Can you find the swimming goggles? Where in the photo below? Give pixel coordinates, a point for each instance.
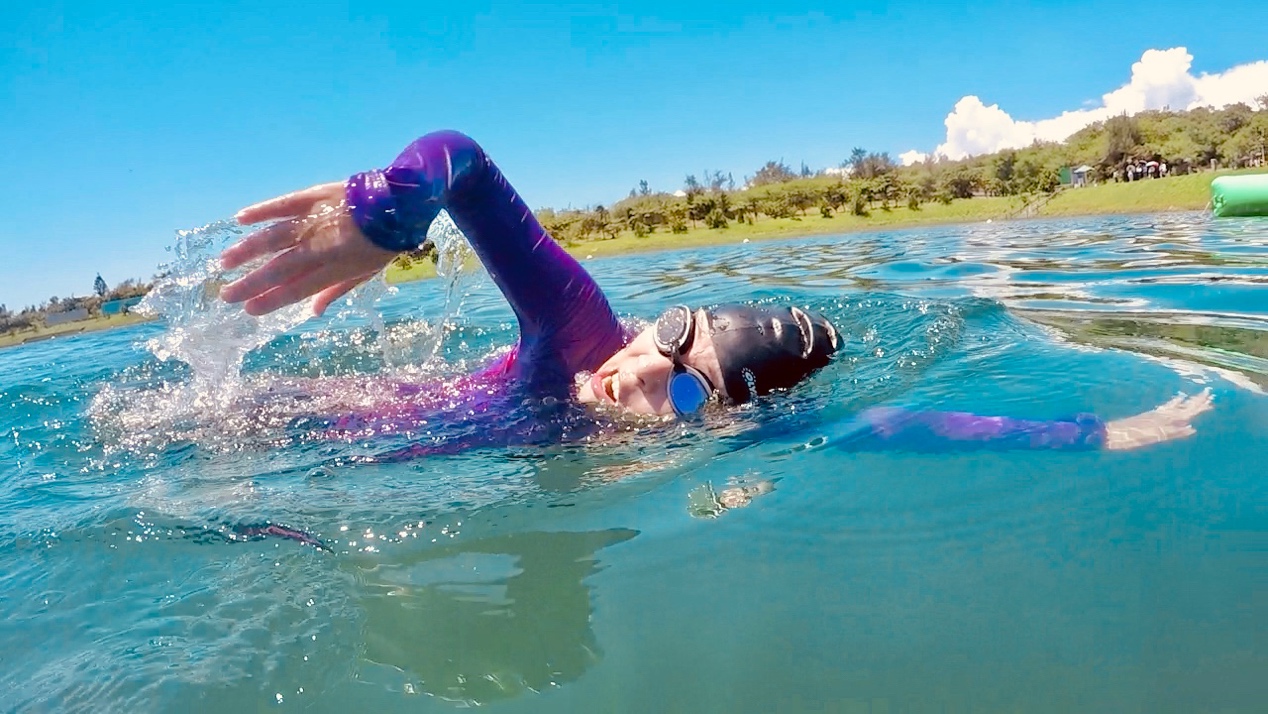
(688, 390)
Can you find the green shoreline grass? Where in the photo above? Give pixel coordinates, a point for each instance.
(1176, 193)
(764, 229)
(92, 324)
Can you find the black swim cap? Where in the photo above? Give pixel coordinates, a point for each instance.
(763, 348)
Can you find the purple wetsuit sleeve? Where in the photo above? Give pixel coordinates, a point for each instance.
(566, 324)
(895, 428)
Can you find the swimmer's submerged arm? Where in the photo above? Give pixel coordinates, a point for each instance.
(913, 430)
(949, 431)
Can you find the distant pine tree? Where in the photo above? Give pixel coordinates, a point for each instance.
(99, 286)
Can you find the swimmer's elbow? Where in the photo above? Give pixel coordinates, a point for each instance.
(394, 207)
(447, 161)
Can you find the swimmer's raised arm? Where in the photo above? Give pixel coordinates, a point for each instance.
(559, 306)
(333, 236)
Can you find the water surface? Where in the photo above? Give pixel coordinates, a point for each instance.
(581, 577)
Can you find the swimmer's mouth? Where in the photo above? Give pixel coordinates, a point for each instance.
(608, 387)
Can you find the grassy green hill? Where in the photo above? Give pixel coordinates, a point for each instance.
(1175, 193)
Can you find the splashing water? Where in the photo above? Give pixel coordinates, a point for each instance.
(203, 331)
(130, 581)
(214, 338)
(452, 249)
(457, 267)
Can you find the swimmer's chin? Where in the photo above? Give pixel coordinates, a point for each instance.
(585, 393)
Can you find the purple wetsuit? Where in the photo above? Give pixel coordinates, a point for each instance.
(566, 324)
(891, 427)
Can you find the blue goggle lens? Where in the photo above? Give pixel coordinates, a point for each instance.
(688, 393)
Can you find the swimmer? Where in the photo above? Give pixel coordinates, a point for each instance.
(327, 239)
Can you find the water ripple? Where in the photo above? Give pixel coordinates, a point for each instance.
(134, 575)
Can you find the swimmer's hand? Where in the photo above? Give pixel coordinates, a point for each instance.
(1173, 420)
(319, 250)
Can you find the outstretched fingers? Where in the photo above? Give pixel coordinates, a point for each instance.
(291, 291)
(271, 239)
(322, 251)
(1200, 403)
(274, 274)
(1167, 422)
(1188, 408)
(290, 205)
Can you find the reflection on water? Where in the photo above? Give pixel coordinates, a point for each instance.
(134, 576)
(1237, 347)
(487, 619)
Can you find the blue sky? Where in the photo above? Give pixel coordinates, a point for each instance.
(123, 122)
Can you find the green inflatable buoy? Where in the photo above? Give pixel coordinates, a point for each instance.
(1245, 195)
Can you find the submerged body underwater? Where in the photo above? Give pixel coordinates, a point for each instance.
(150, 559)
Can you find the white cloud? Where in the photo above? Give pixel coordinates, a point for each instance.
(1239, 84)
(1161, 79)
(912, 157)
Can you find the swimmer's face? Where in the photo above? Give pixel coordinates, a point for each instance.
(636, 378)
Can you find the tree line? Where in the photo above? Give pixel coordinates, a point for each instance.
(1195, 140)
(1187, 141)
(35, 316)
(865, 181)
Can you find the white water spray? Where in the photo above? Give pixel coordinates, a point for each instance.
(214, 338)
(203, 331)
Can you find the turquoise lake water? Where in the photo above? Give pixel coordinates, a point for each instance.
(587, 577)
